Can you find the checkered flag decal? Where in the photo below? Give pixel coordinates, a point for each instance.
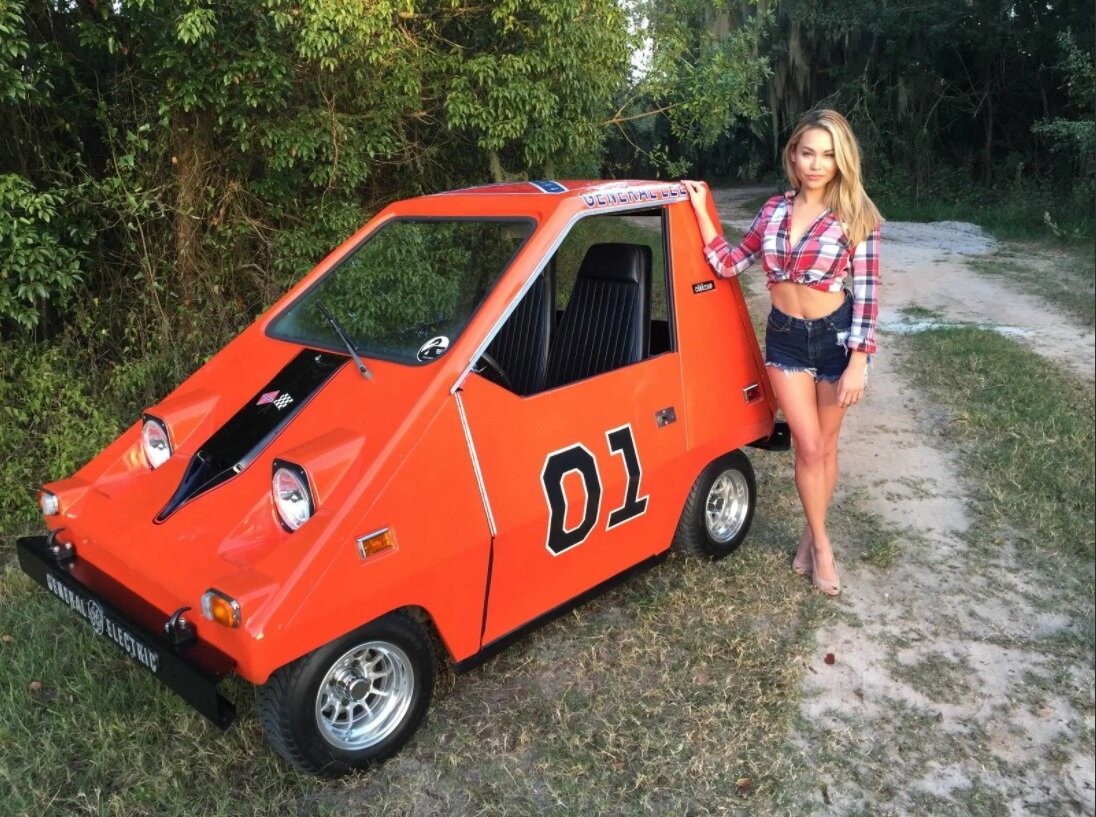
(283, 401)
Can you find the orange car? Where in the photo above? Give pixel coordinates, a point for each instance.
(482, 407)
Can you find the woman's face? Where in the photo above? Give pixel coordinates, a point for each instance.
(815, 164)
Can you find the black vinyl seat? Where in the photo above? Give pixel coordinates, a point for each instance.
(521, 345)
(605, 325)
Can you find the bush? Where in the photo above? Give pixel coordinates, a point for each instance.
(52, 420)
(37, 267)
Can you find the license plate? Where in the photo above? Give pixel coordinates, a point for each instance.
(192, 670)
(104, 624)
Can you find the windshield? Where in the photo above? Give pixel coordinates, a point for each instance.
(408, 291)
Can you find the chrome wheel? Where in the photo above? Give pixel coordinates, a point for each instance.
(727, 505)
(365, 696)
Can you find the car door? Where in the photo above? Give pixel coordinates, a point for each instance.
(581, 471)
(573, 479)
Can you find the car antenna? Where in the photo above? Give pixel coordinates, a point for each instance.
(368, 375)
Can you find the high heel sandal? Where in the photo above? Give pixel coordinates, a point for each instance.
(801, 567)
(830, 588)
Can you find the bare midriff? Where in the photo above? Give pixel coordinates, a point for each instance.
(801, 301)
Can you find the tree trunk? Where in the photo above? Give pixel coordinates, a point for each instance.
(192, 143)
(987, 155)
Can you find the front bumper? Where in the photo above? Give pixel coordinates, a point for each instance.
(154, 640)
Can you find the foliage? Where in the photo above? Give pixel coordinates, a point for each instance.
(13, 52)
(925, 82)
(52, 420)
(942, 95)
(37, 265)
(1023, 209)
(700, 80)
(1075, 137)
(213, 153)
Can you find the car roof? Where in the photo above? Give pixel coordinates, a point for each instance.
(567, 188)
(551, 195)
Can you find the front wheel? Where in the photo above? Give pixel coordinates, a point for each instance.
(719, 508)
(352, 702)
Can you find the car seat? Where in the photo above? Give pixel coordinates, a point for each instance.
(605, 324)
(521, 344)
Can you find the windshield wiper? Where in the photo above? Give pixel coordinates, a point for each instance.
(345, 339)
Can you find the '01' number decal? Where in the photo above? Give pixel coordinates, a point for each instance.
(579, 459)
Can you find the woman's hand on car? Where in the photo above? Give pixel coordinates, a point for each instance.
(698, 195)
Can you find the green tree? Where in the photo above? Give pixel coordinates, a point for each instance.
(697, 83)
(1073, 134)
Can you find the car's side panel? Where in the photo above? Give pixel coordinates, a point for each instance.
(577, 479)
(719, 352)
(431, 502)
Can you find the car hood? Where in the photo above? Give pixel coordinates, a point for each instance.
(206, 515)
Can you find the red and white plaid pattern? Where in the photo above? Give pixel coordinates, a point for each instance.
(822, 259)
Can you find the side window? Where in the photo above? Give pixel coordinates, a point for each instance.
(645, 227)
(600, 304)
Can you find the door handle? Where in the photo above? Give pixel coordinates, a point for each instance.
(663, 417)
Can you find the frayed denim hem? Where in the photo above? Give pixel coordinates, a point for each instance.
(833, 378)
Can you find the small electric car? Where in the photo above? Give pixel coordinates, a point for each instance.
(479, 409)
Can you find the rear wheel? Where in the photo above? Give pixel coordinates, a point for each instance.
(352, 702)
(719, 508)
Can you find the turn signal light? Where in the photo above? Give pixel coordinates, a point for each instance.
(216, 606)
(376, 543)
(49, 504)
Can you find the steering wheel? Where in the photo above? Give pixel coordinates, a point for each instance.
(487, 360)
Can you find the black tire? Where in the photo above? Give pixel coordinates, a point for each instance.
(304, 722)
(708, 528)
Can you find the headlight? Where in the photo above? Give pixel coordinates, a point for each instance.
(292, 496)
(155, 441)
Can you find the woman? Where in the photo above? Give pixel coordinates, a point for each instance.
(812, 241)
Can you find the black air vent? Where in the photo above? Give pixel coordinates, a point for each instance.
(239, 441)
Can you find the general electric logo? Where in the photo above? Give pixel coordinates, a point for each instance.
(96, 617)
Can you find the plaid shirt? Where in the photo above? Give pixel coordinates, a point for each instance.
(822, 259)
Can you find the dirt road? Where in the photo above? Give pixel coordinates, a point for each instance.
(937, 701)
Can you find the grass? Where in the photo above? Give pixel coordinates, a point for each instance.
(864, 760)
(755, 204)
(1065, 278)
(659, 697)
(920, 313)
(1025, 428)
(1018, 212)
(938, 677)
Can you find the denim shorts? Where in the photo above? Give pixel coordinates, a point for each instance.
(816, 347)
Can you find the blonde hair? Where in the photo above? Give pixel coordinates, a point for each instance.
(844, 195)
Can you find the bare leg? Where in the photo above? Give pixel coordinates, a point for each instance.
(798, 395)
(830, 417)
